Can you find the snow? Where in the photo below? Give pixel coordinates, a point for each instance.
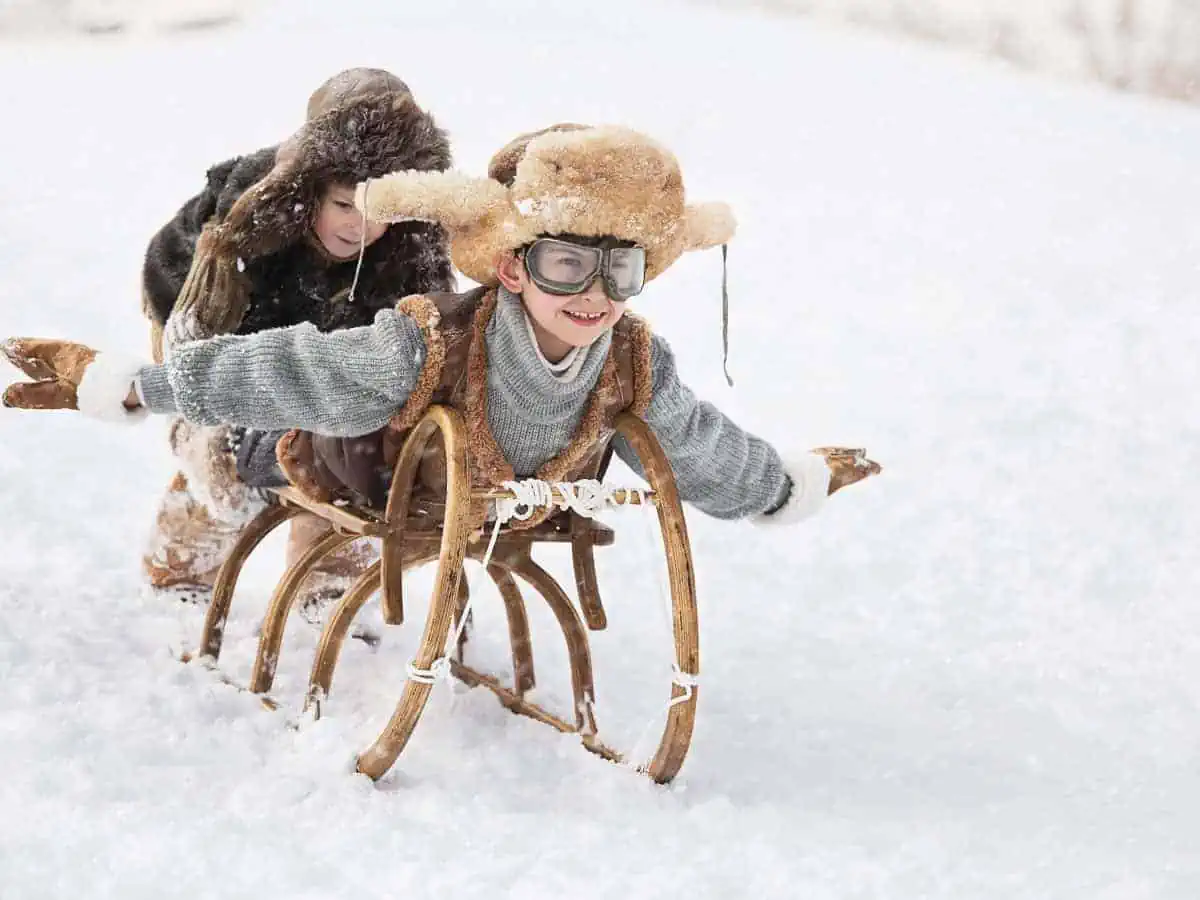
(972, 677)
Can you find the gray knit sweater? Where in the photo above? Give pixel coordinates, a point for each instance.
(348, 383)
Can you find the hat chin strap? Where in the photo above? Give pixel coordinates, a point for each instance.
(311, 238)
(725, 312)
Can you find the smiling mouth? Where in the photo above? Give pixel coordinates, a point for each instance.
(585, 318)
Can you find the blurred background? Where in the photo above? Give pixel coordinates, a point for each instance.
(1145, 46)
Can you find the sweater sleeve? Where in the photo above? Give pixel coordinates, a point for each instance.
(719, 468)
(343, 383)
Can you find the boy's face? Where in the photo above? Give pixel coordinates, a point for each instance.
(339, 226)
(560, 321)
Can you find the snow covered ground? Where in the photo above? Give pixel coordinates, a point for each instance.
(974, 677)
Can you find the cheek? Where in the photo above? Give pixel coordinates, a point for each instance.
(325, 223)
(541, 309)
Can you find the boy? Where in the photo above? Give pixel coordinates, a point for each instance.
(569, 227)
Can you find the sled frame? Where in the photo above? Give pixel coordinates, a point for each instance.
(408, 542)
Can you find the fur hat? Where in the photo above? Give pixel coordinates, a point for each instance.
(368, 129)
(566, 179)
(350, 85)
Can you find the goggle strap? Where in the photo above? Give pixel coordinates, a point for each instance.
(725, 312)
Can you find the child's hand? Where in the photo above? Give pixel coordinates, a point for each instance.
(847, 466)
(56, 368)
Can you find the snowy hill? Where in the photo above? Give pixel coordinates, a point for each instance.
(975, 677)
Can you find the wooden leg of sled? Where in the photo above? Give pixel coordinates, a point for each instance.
(391, 557)
(271, 637)
(578, 651)
(335, 631)
(333, 636)
(382, 754)
(583, 558)
(518, 629)
(681, 717)
(218, 609)
(404, 477)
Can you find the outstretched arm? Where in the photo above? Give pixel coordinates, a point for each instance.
(344, 383)
(728, 472)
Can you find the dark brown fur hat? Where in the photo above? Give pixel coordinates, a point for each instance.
(364, 133)
(353, 84)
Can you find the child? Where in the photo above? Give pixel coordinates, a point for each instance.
(273, 241)
(568, 228)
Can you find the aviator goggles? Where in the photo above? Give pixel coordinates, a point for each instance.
(562, 267)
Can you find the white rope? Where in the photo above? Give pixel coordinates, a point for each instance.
(362, 244)
(587, 497)
(685, 680)
(529, 495)
(439, 669)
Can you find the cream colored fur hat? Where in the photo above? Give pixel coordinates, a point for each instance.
(566, 179)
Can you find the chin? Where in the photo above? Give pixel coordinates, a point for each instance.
(584, 340)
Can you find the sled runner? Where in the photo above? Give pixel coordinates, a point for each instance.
(417, 530)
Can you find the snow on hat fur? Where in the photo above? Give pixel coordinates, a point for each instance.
(566, 179)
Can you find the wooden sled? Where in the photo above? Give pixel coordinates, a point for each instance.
(407, 541)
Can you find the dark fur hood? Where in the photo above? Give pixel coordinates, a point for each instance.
(363, 139)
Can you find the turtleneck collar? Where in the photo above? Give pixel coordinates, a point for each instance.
(518, 368)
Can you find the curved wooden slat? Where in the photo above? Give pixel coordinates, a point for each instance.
(519, 637)
(335, 631)
(583, 560)
(271, 637)
(382, 754)
(578, 651)
(404, 478)
(681, 717)
(222, 597)
(333, 635)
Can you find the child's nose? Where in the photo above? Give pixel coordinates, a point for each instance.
(595, 292)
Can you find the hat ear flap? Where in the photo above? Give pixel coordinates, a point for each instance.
(707, 225)
(270, 214)
(456, 201)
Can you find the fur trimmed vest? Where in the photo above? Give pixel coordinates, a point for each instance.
(454, 374)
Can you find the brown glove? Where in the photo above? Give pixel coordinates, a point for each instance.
(56, 368)
(847, 466)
